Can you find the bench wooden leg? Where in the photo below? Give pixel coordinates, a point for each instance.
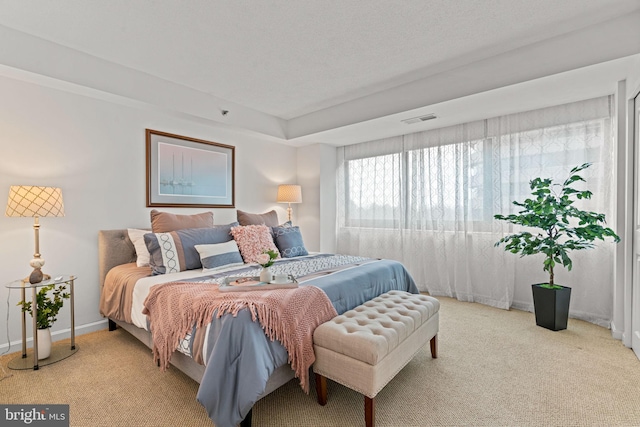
(112, 325)
(369, 411)
(434, 346)
(321, 389)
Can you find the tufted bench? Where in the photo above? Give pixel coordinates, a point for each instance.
(366, 347)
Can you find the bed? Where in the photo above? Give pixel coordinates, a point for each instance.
(235, 363)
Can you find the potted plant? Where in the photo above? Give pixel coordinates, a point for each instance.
(560, 229)
(48, 308)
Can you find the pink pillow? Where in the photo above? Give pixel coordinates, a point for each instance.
(253, 240)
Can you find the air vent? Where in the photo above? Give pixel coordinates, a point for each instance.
(419, 119)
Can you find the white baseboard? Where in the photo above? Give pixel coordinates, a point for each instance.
(621, 335)
(615, 332)
(59, 335)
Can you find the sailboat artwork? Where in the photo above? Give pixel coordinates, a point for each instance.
(177, 186)
(188, 172)
(185, 171)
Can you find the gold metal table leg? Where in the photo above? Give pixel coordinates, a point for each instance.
(73, 321)
(34, 308)
(24, 328)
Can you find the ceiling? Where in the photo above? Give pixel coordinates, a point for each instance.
(339, 71)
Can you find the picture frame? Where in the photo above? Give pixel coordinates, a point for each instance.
(188, 172)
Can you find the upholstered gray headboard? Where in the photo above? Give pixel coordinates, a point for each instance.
(114, 248)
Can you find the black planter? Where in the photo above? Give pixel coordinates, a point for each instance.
(551, 307)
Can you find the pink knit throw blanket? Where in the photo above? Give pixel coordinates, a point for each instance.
(287, 315)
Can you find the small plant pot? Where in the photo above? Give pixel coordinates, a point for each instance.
(551, 306)
(44, 343)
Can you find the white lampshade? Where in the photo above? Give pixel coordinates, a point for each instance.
(289, 193)
(32, 201)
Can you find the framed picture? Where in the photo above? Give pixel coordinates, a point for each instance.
(189, 172)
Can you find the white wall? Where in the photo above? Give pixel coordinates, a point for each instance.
(633, 80)
(95, 151)
(317, 213)
(622, 304)
(328, 165)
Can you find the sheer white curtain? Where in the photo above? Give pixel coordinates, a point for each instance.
(427, 199)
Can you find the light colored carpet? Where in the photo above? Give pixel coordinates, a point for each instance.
(495, 368)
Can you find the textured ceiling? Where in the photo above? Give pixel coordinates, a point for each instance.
(290, 58)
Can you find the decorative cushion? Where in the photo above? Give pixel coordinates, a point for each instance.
(270, 219)
(219, 255)
(175, 251)
(288, 239)
(142, 253)
(163, 222)
(284, 224)
(253, 240)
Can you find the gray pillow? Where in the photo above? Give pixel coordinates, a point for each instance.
(270, 219)
(175, 251)
(218, 255)
(163, 222)
(289, 241)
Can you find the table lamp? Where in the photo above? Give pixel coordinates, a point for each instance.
(289, 194)
(32, 201)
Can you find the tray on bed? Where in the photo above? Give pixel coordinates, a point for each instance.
(253, 283)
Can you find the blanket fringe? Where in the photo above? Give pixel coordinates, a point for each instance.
(286, 315)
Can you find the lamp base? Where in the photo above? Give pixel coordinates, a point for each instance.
(37, 276)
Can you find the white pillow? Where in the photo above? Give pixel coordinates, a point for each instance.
(219, 255)
(142, 253)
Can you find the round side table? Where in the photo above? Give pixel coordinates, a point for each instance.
(58, 352)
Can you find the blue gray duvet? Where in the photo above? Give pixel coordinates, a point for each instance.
(240, 357)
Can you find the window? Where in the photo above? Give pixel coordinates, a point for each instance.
(374, 190)
(454, 185)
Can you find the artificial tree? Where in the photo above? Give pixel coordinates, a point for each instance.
(560, 226)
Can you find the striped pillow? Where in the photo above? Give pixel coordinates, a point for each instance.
(175, 251)
(219, 255)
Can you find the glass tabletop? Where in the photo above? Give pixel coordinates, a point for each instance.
(24, 283)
